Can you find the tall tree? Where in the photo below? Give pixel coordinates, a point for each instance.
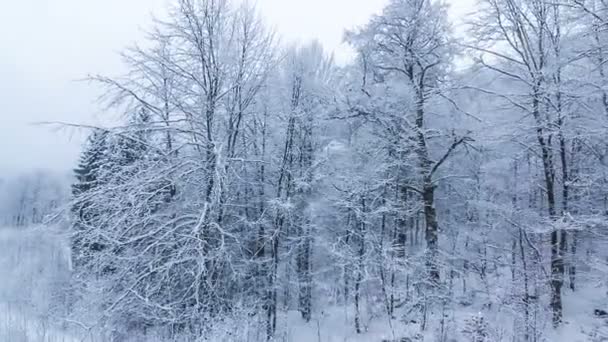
(409, 47)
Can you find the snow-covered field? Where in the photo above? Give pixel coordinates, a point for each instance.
(20, 325)
(34, 266)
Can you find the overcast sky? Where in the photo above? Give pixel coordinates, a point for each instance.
(47, 45)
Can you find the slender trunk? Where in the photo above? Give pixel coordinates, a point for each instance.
(563, 236)
(526, 297)
(305, 278)
(389, 298)
(305, 249)
(565, 198)
(576, 148)
(357, 299)
(360, 267)
(271, 310)
(391, 306)
(572, 271)
(346, 269)
(432, 231)
(557, 263)
(513, 259)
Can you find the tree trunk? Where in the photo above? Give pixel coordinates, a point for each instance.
(557, 262)
(305, 277)
(526, 296)
(432, 231)
(360, 268)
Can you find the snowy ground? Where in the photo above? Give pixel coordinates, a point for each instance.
(32, 263)
(579, 322)
(19, 325)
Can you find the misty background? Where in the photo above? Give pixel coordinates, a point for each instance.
(48, 47)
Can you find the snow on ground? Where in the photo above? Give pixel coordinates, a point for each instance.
(33, 265)
(19, 325)
(580, 324)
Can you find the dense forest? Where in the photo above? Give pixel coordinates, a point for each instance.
(438, 187)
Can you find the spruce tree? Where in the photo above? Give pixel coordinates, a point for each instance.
(88, 179)
(87, 172)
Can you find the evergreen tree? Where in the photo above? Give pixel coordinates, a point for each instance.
(87, 172)
(88, 178)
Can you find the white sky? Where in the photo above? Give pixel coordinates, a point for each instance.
(47, 45)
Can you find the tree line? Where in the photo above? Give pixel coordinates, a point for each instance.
(430, 177)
